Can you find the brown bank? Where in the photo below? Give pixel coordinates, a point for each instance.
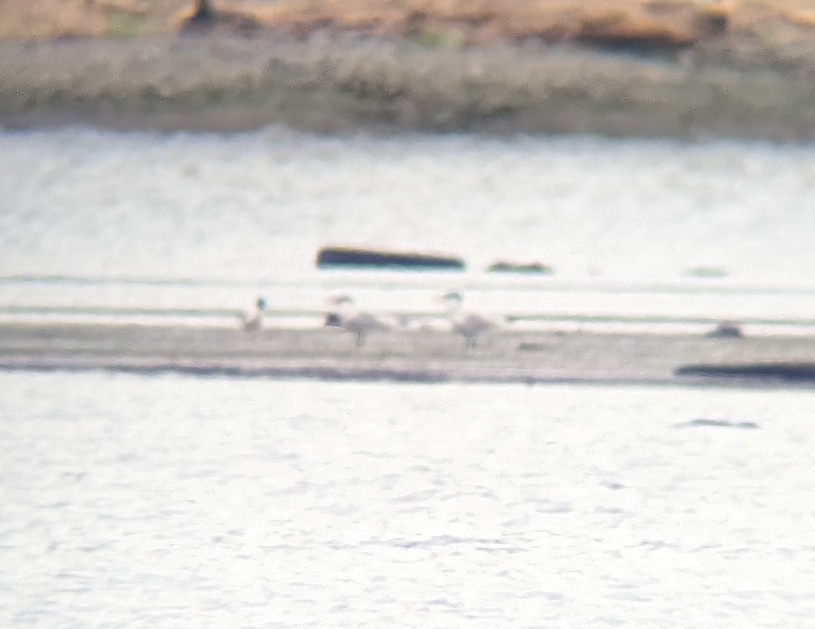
(671, 68)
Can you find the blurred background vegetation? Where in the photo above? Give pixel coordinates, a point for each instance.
(644, 24)
(734, 67)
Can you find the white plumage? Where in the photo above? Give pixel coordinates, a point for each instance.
(253, 322)
(345, 315)
(469, 324)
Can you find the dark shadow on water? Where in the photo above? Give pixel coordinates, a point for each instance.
(717, 423)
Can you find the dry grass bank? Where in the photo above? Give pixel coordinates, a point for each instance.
(700, 68)
(650, 24)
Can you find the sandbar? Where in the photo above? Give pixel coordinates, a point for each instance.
(413, 355)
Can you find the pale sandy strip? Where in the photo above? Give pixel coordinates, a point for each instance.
(421, 355)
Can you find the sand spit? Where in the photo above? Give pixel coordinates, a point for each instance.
(408, 355)
(339, 83)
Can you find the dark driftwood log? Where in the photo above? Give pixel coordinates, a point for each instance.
(352, 256)
(789, 372)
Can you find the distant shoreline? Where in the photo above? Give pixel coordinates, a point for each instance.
(337, 84)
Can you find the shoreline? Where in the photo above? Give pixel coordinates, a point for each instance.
(339, 84)
(413, 355)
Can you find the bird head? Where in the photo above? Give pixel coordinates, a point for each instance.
(451, 299)
(340, 301)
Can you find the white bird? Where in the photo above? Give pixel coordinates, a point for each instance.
(345, 315)
(254, 321)
(470, 325)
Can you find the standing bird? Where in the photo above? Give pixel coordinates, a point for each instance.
(470, 325)
(251, 323)
(345, 315)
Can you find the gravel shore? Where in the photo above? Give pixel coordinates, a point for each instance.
(412, 355)
(336, 83)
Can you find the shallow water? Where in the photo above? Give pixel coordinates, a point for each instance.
(172, 501)
(203, 222)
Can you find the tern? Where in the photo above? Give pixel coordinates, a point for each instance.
(345, 315)
(469, 324)
(254, 321)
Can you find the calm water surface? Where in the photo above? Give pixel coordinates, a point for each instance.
(92, 219)
(179, 502)
(175, 502)
(256, 206)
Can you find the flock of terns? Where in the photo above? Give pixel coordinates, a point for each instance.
(342, 313)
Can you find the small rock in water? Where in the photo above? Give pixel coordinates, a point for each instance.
(339, 256)
(519, 267)
(706, 272)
